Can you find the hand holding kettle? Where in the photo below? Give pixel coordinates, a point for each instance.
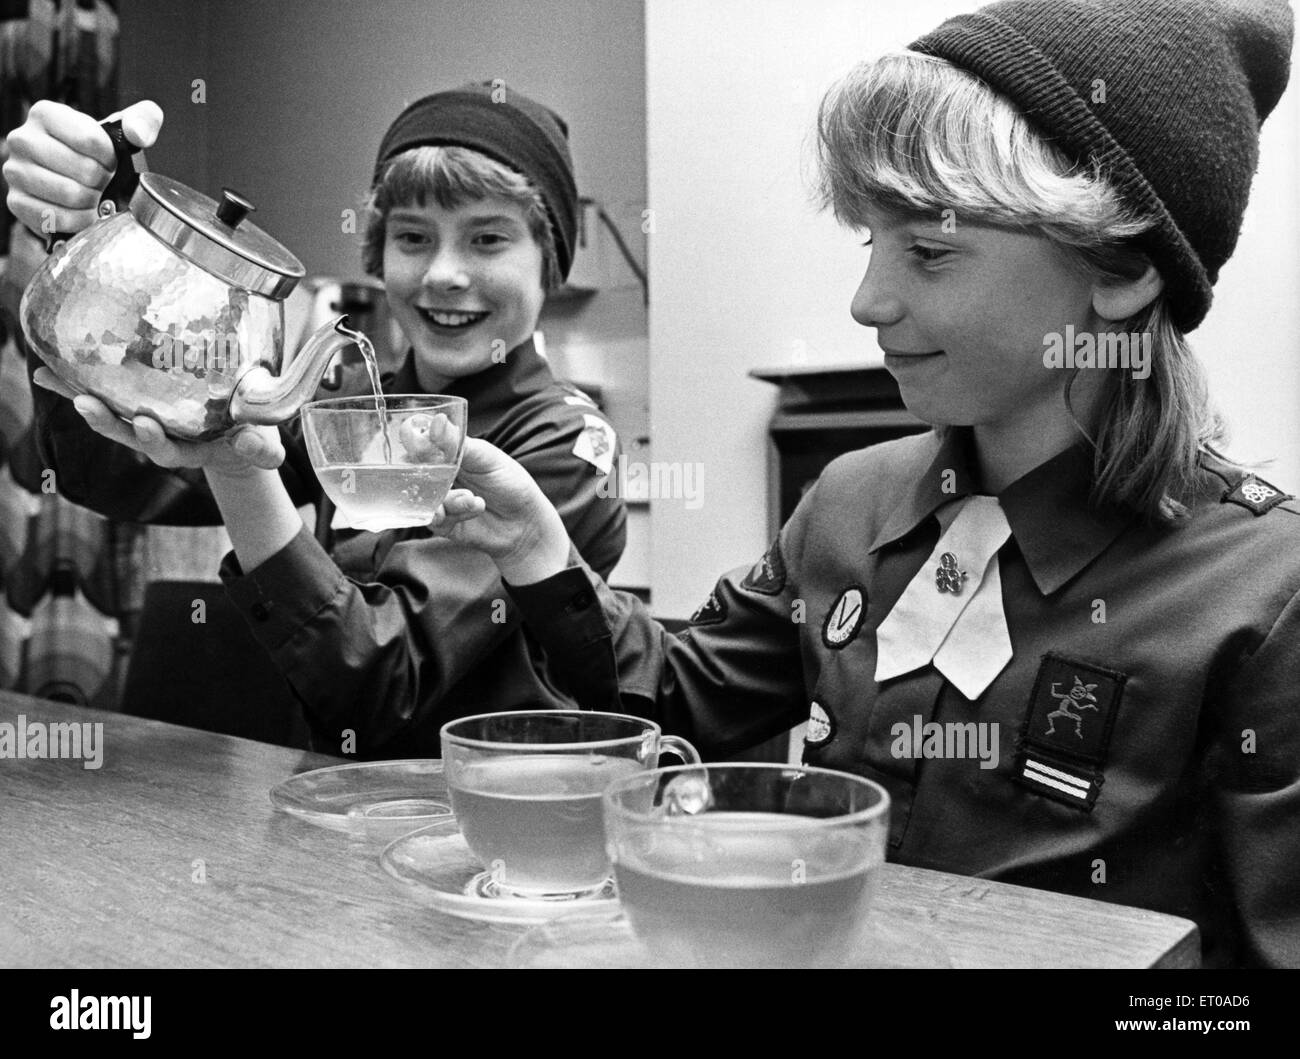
(241, 452)
(61, 160)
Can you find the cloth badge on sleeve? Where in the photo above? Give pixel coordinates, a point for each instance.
(1255, 495)
(596, 443)
(1066, 737)
(845, 618)
(821, 726)
(768, 575)
(711, 611)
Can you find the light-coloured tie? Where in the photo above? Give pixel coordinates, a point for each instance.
(951, 611)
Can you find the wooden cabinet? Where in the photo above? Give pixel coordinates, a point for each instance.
(822, 413)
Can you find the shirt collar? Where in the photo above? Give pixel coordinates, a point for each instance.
(1055, 524)
(491, 392)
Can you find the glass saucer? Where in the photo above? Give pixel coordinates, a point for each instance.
(372, 799)
(437, 869)
(606, 942)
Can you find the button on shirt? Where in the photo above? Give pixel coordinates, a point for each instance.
(1142, 746)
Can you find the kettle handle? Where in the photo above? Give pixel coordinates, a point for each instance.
(120, 188)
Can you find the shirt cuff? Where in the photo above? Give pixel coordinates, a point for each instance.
(286, 591)
(564, 606)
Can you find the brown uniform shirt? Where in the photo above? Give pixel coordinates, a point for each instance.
(385, 635)
(1142, 746)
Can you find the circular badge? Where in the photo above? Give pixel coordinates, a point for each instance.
(821, 729)
(844, 619)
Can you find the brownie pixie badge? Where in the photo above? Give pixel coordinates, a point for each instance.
(1066, 736)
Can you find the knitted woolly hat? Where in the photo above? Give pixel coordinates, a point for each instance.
(507, 127)
(1167, 95)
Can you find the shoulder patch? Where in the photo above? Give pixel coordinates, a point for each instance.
(711, 611)
(596, 443)
(768, 574)
(1255, 495)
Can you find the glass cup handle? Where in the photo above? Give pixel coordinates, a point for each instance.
(680, 747)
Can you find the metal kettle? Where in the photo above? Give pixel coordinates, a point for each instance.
(174, 309)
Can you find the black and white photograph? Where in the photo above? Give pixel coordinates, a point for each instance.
(688, 487)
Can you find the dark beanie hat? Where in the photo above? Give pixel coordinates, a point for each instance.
(507, 127)
(1186, 85)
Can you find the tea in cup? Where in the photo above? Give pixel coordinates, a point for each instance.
(387, 461)
(747, 865)
(525, 789)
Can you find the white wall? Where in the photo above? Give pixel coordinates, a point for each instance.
(744, 274)
(1250, 342)
(741, 271)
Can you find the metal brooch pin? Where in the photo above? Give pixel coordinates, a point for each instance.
(948, 578)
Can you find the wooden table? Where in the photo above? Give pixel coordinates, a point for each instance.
(98, 868)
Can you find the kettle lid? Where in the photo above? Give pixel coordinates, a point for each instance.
(216, 236)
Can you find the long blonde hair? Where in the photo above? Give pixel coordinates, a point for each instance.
(913, 134)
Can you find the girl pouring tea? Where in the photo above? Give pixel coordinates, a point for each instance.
(1064, 564)
(379, 637)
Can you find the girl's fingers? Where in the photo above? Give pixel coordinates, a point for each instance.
(47, 380)
(482, 457)
(428, 438)
(100, 419)
(413, 432)
(443, 432)
(459, 505)
(48, 186)
(445, 436)
(142, 434)
(71, 128)
(462, 500)
(261, 449)
(59, 161)
(141, 122)
(40, 216)
(249, 445)
(154, 443)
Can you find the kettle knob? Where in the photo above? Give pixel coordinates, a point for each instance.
(233, 208)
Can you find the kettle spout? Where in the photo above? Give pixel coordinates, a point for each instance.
(261, 397)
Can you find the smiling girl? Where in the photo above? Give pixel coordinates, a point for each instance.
(379, 637)
(1064, 565)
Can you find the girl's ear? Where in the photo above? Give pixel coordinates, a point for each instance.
(1120, 299)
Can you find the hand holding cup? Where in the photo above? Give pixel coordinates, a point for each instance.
(502, 511)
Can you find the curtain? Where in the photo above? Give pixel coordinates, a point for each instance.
(71, 579)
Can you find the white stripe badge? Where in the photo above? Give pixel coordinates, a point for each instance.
(1057, 779)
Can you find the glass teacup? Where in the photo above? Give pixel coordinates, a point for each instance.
(747, 865)
(525, 787)
(389, 469)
